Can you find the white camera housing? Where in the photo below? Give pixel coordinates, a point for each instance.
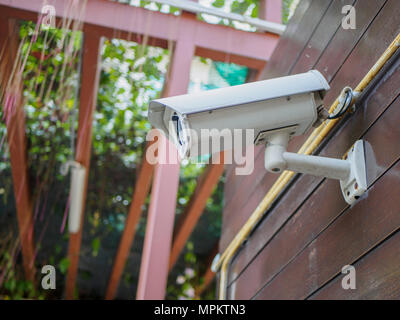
(276, 109)
(289, 103)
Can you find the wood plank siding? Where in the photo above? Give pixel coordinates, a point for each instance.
(299, 248)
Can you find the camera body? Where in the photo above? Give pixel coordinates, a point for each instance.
(288, 103)
(274, 111)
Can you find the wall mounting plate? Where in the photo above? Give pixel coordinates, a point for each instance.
(356, 183)
(262, 137)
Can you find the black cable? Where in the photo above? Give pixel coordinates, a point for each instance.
(343, 109)
(345, 106)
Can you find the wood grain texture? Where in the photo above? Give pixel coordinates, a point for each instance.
(368, 112)
(329, 62)
(306, 18)
(344, 41)
(321, 208)
(377, 275)
(378, 137)
(301, 216)
(358, 230)
(249, 190)
(328, 27)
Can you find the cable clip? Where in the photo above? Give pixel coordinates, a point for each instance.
(346, 100)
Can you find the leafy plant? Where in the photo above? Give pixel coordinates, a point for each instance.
(188, 280)
(131, 75)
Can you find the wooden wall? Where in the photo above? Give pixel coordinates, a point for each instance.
(300, 247)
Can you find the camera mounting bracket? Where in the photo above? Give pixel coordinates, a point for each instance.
(350, 171)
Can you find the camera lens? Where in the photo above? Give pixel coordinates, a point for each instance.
(178, 128)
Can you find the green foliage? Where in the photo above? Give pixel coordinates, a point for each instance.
(286, 10)
(151, 5)
(131, 75)
(12, 283)
(188, 180)
(184, 286)
(63, 265)
(50, 82)
(19, 289)
(250, 8)
(244, 7)
(95, 246)
(241, 7)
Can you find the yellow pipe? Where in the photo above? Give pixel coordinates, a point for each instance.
(308, 147)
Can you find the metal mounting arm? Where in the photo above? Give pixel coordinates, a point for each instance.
(350, 171)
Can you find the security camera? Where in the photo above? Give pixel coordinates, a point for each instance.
(289, 103)
(275, 110)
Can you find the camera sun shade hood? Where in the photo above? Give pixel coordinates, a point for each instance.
(311, 81)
